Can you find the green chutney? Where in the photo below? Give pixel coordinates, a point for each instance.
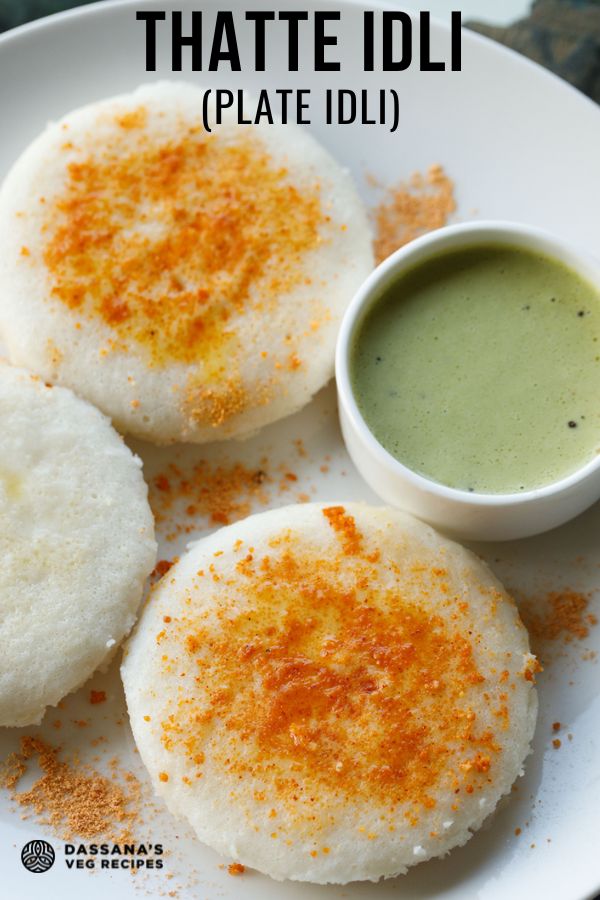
(480, 369)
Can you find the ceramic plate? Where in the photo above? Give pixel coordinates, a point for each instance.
(519, 144)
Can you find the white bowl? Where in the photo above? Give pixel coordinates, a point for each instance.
(463, 514)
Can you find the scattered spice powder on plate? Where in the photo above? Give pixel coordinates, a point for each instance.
(236, 869)
(97, 697)
(161, 568)
(220, 493)
(181, 496)
(70, 798)
(410, 209)
(557, 616)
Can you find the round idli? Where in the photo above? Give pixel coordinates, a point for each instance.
(76, 542)
(189, 284)
(331, 693)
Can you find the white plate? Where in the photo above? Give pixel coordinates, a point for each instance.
(519, 144)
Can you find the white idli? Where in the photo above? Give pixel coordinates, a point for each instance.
(331, 693)
(188, 284)
(76, 542)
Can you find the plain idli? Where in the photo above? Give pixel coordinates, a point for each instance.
(331, 693)
(190, 284)
(76, 542)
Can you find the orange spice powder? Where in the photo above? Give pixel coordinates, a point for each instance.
(219, 493)
(236, 868)
(182, 497)
(412, 208)
(167, 241)
(345, 526)
(97, 697)
(557, 616)
(329, 689)
(161, 568)
(72, 800)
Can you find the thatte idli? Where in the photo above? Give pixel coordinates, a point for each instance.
(331, 693)
(76, 543)
(189, 284)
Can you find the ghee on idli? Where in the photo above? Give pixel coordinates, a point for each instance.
(188, 284)
(331, 693)
(76, 543)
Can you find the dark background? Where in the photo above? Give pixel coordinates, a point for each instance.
(563, 35)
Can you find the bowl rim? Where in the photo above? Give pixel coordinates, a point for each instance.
(454, 237)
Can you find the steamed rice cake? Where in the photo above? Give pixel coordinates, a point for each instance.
(188, 284)
(331, 693)
(76, 542)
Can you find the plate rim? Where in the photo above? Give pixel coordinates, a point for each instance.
(490, 45)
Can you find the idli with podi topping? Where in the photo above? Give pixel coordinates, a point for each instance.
(331, 693)
(189, 284)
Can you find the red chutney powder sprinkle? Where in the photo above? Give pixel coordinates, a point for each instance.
(97, 697)
(220, 493)
(181, 496)
(330, 684)
(345, 527)
(166, 241)
(557, 616)
(412, 208)
(161, 568)
(236, 868)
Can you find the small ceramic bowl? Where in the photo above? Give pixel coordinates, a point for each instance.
(472, 516)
